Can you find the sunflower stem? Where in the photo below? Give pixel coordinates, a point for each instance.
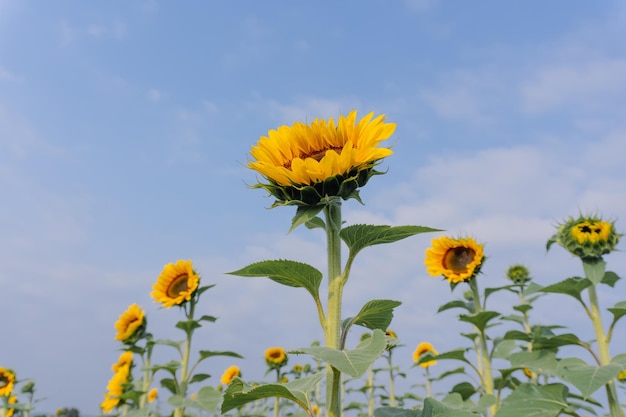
(487, 376)
(184, 365)
(602, 340)
(332, 212)
(392, 389)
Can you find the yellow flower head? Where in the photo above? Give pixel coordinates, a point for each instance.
(152, 394)
(530, 374)
(229, 374)
(275, 357)
(457, 260)
(305, 163)
(316, 410)
(130, 325)
(176, 285)
(7, 380)
(126, 359)
(297, 368)
(622, 376)
(11, 411)
(421, 349)
(115, 388)
(588, 237)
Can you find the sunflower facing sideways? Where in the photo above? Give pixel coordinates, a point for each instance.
(176, 285)
(130, 325)
(422, 349)
(7, 379)
(306, 164)
(458, 260)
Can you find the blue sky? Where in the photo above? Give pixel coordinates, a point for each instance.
(125, 128)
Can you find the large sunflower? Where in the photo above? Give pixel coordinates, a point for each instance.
(275, 357)
(421, 349)
(7, 379)
(305, 163)
(457, 260)
(176, 284)
(130, 325)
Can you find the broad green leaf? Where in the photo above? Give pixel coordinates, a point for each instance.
(457, 354)
(489, 291)
(588, 379)
(360, 236)
(172, 343)
(620, 359)
(530, 400)
(480, 320)
(456, 304)
(571, 286)
(188, 326)
(610, 278)
(351, 362)
(199, 378)
(376, 314)
(443, 375)
(552, 342)
(457, 400)
(240, 393)
(286, 272)
(504, 348)
(532, 288)
(396, 412)
(514, 317)
(142, 412)
(464, 389)
(169, 384)
(523, 308)
(594, 270)
(434, 408)
(618, 311)
(206, 399)
(171, 367)
(209, 353)
(539, 361)
(304, 214)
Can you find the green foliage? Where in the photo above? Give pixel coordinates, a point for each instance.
(306, 215)
(480, 320)
(571, 286)
(285, 272)
(530, 400)
(588, 379)
(376, 314)
(360, 236)
(351, 362)
(206, 399)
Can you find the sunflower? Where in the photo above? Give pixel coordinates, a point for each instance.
(11, 411)
(7, 379)
(421, 349)
(457, 260)
(130, 325)
(126, 359)
(152, 394)
(588, 237)
(229, 374)
(176, 285)
(275, 357)
(115, 388)
(305, 163)
(519, 274)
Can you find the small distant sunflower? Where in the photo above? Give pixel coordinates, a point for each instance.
(457, 260)
(152, 394)
(588, 237)
(519, 274)
(316, 410)
(394, 342)
(11, 411)
(305, 163)
(421, 349)
(229, 374)
(130, 325)
(126, 359)
(7, 380)
(176, 285)
(275, 357)
(115, 388)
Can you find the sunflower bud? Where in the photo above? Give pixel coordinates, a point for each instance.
(519, 274)
(275, 357)
(588, 237)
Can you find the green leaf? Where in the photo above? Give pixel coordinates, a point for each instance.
(610, 278)
(480, 320)
(434, 408)
(523, 308)
(199, 378)
(489, 291)
(169, 384)
(588, 379)
(286, 272)
(206, 399)
(210, 319)
(396, 412)
(457, 354)
(504, 348)
(304, 214)
(618, 311)
(552, 342)
(167, 342)
(620, 359)
(240, 393)
(171, 367)
(571, 286)
(360, 236)
(464, 389)
(188, 326)
(459, 370)
(314, 223)
(530, 400)
(594, 270)
(351, 362)
(532, 288)
(376, 314)
(456, 304)
(539, 361)
(209, 353)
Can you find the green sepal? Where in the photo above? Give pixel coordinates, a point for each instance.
(286, 272)
(353, 362)
(304, 214)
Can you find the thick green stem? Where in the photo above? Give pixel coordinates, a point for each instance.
(335, 289)
(392, 389)
(276, 399)
(487, 376)
(370, 391)
(184, 365)
(603, 350)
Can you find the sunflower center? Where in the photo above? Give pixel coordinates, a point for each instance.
(178, 285)
(317, 154)
(4, 381)
(457, 259)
